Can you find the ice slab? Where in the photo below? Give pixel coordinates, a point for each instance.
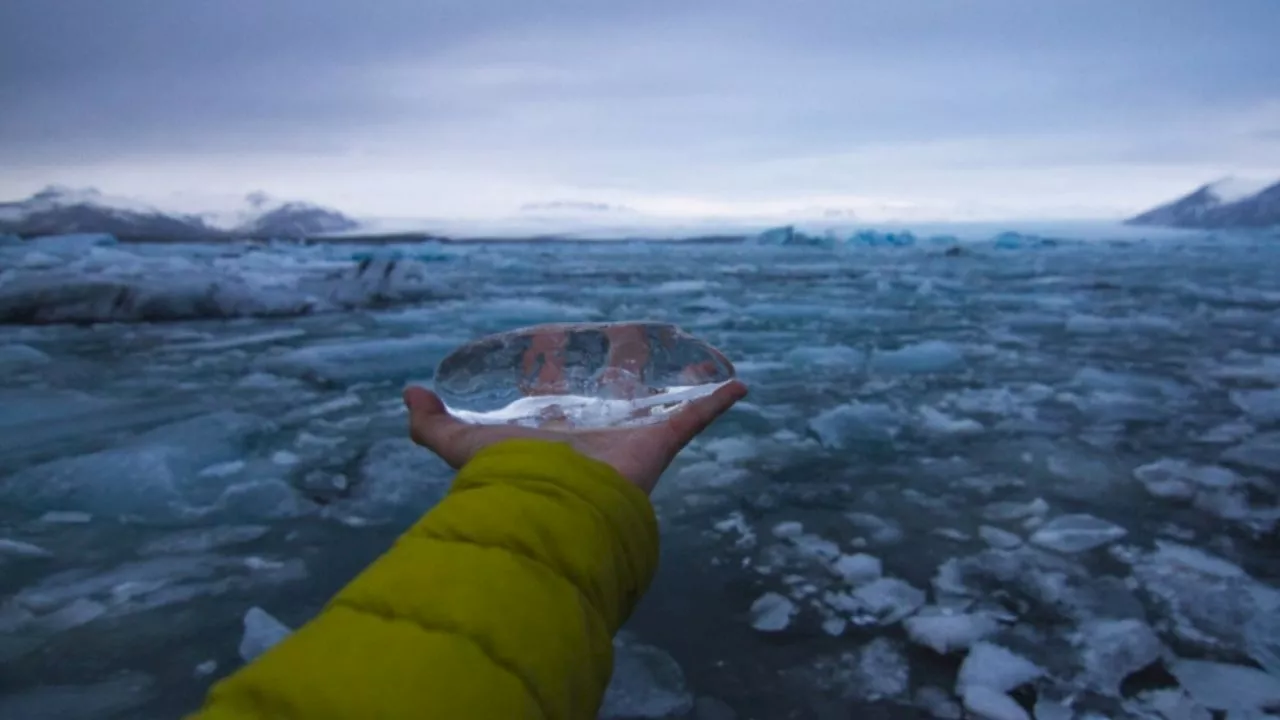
(1111, 650)
(930, 356)
(856, 423)
(154, 477)
(580, 375)
(937, 702)
(1221, 686)
(395, 478)
(995, 667)
(945, 632)
(1076, 533)
(857, 570)
(1262, 638)
(345, 363)
(646, 683)
(1260, 452)
(261, 632)
(882, 670)
(202, 540)
(16, 358)
(772, 612)
(885, 601)
(20, 549)
(1208, 601)
(999, 539)
(1261, 405)
(71, 242)
(988, 704)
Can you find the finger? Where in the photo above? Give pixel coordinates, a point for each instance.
(431, 426)
(698, 414)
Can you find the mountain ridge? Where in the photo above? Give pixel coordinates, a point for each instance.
(59, 209)
(1224, 204)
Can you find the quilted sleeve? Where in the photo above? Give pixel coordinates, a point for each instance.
(501, 602)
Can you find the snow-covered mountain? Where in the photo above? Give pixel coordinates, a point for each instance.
(265, 216)
(56, 209)
(1226, 203)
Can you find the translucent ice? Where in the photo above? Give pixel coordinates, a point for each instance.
(581, 375)
(1261, 405)
(261, 632)
(1076, 533)
(647, 683)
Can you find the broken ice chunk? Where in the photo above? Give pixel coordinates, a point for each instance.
(945, 632)
(65, 517)
(885, 601)
(999, 539)
(1046, 709)
(989, 704)
(208, 667)
(854, 423)
(857, 569)
(789, 529)
(1220, 686)
(881, 531)
(200, 540)
(646, 683)
(1007, 510)
(937, 702)
(736, 523)
(940, 423)
(930, 356)
(1114, 649)
(1169, 470)
(17, 548)
(992, 666)
(771, 612)
(1261, 405)
(261, 632)
(882, 670)
(1262, 638)
(1076, 533)
(1261, 452)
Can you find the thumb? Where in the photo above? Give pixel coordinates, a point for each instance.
(692, 419)
(431, 426)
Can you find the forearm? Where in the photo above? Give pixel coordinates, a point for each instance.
(500, 602)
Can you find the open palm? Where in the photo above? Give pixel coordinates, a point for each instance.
(640, 454)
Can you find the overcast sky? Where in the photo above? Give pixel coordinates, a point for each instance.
(910, 108)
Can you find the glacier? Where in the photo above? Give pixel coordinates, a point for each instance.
(1026, 474)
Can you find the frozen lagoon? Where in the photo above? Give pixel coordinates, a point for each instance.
(1036, 478)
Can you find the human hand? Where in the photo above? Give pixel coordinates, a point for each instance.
(640, 454)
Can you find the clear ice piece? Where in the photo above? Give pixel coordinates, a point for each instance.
(580, 375)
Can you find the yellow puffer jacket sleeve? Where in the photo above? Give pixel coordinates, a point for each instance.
(501, 602)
